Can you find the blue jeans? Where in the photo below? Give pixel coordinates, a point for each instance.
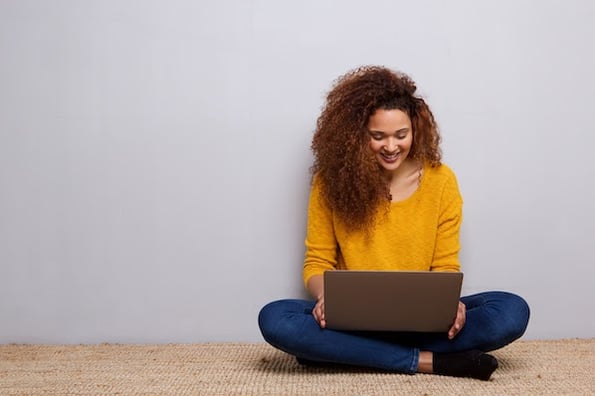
(493, 320)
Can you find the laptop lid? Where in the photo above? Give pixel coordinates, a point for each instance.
(391, 300)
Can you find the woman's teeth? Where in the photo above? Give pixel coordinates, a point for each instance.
(391, 156)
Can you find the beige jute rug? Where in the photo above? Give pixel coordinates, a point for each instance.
(562, 367)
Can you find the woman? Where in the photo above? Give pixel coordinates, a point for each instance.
(382, 200)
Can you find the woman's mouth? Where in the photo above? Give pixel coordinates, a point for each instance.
(390, 157)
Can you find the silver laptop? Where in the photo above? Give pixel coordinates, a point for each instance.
(391, 300)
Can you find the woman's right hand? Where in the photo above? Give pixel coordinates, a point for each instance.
(318, 312)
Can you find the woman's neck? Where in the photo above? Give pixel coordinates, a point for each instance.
(407, 168)
(405, 180)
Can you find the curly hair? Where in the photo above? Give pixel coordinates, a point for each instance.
(352, 180)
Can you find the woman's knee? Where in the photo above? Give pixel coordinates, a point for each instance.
(499, 317)
(276, 320)
(516, 313)
(269, 317)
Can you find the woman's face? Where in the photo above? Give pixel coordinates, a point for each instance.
(390, 137)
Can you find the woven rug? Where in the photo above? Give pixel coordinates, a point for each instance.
(563, 367)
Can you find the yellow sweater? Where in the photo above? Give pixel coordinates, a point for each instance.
(420, 233)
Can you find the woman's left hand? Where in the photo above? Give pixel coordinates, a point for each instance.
(459, 321)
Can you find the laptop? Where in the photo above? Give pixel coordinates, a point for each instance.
(391, 300)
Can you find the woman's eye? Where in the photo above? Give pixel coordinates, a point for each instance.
(377, 137)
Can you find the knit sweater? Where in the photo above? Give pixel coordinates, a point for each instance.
(420, 233)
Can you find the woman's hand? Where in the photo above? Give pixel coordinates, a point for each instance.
(318, 312)
(316, 289)
(459, 321)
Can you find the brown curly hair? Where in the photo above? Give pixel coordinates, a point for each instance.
(352, 180)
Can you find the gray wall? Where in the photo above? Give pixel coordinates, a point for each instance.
(154, 154)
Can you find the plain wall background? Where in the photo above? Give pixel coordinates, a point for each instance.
(154, 155)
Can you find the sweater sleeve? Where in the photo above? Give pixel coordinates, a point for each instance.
(446, 250)
(321, 243)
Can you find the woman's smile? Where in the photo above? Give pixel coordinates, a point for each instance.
(390, 158)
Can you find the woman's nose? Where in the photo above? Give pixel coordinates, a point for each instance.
(392, 144)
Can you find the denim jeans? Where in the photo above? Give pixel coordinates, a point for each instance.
(493, 320)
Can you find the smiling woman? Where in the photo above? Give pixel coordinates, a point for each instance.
(367, 112)
(382, 200)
